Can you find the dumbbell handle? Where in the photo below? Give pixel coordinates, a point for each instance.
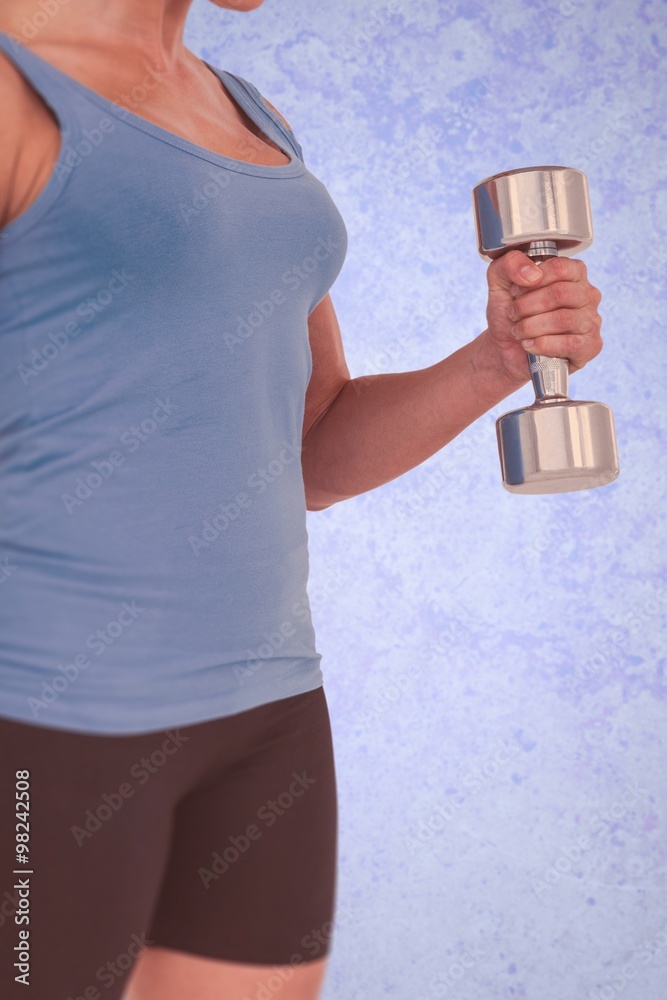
(549, 375)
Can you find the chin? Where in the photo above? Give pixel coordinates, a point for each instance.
(238, 4)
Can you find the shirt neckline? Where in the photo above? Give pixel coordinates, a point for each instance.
(294, 168)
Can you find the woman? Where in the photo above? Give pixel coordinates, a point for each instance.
(173, 398)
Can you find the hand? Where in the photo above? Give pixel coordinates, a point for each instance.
(555, 316)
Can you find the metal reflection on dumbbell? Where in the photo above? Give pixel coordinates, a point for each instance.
(558, 444)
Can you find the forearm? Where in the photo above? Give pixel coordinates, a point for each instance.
(380, 426)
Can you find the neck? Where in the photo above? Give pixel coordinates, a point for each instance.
(150, 28)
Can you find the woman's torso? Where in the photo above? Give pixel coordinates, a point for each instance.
(154, 358)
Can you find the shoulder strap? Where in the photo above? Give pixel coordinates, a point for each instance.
(58, 90)
(257, 99)
(44, 78)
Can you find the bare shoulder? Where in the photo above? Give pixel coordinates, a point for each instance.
(17, 100)
(29, 136)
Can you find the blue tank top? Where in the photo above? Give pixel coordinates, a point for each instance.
(154, 360)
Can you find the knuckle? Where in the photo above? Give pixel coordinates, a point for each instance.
(511, 261)
(517, 305)
(594, 319)
(561, 267)
(563, 319)
(588, 349)
(586, 324)
(560, 293)
(595, 345)
(492, 270)
(574, 345)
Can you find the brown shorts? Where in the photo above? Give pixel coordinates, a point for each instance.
(218, 839)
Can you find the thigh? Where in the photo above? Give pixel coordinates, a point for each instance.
(163, 974)
(80, 906)
(251, 876)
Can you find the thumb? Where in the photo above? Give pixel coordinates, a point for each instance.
(513, 268)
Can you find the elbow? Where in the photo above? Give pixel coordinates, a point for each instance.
(312, 504)
(316, 499)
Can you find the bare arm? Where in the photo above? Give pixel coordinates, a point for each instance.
(380, 426)
(363, 432)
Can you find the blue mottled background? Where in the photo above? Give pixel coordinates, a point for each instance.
(494, 664)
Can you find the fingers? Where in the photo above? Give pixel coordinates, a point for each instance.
(563, 333)
(505, 272)
(586, 321)
(556, 316)
(560, 318)
(578, 350)
(507, 269)
(558, 269)
(558, 295)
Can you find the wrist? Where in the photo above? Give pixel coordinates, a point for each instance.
(491, 366)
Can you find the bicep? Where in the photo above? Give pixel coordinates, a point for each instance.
(330, 371)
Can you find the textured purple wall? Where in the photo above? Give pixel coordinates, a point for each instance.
(494, 664)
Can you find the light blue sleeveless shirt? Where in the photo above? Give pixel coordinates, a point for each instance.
(154, 360)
